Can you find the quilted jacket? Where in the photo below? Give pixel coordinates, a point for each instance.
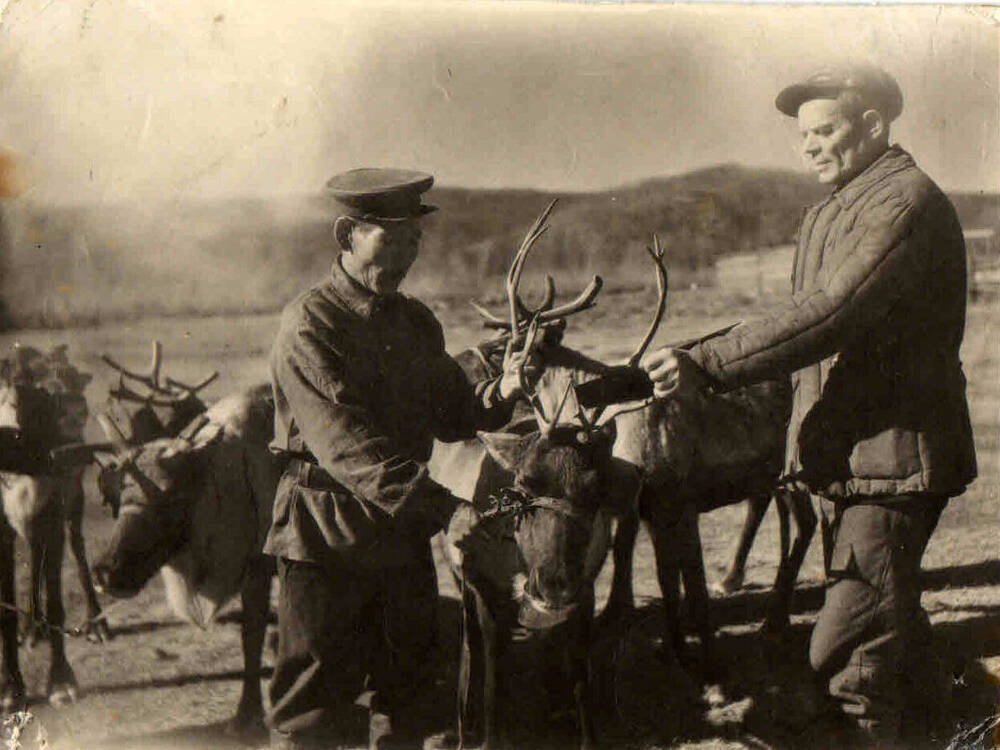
(872, 335)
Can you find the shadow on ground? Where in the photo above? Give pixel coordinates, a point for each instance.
(645, 699)
(750, 603)
(194, 737)
(769, 696)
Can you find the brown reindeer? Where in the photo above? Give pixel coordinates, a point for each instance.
(196, 508)
(549, 514)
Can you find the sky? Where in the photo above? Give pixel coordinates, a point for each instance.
(114, 100)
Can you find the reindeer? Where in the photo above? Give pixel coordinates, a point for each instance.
(42, 405)
(196, 508)
(550, 515)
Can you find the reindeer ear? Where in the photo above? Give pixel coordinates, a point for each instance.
(505, 448)
(209, 434)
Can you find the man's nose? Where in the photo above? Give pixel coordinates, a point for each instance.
(810, 146)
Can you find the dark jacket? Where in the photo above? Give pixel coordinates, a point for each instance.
(872, 335)
(362, 385)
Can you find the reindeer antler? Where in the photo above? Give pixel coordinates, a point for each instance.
(174, 390)
(519, 313)
(656, 253)
(192, 389)
(523, 311)
(151, 379)
(605, 414)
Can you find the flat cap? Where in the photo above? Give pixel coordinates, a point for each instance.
(878, 89)
(379, 193)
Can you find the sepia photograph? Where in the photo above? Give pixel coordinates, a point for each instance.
(501, 375)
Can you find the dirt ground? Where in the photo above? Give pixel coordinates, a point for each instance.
(160, 684)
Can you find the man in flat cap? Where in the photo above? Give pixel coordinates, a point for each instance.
(362, 385)
(880, 426)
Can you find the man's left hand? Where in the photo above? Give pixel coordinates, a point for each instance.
(520, 367)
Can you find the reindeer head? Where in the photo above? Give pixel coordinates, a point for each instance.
(28, 410)
(556, 503)
(156, 486)
(147, 406)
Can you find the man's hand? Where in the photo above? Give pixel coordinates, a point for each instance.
(515, 362)
(674, 374)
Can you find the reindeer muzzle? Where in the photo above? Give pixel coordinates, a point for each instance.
(535, 614)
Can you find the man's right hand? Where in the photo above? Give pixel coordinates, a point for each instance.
(674, 374)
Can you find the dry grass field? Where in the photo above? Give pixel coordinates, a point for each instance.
(163, 684)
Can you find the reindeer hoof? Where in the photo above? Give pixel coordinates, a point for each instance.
(12, 697)
(98, 631)
(248, 729)
(713, 695)
(728, 585)
(63, 695)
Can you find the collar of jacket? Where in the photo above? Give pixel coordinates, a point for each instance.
(893, 160)
(356, 298)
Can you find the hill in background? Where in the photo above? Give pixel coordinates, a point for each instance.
(84, 264)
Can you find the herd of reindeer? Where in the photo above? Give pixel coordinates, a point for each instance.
(588, 456)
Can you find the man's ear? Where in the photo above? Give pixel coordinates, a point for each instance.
(342, 229)
(875, 124)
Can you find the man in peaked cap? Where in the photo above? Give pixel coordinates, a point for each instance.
(880, 426)
(362, 385)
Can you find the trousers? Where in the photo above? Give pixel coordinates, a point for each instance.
(872, 644)
(347, 631)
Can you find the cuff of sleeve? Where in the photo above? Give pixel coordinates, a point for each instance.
(702, 356)
(489, 393)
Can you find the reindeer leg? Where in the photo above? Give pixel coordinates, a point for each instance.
(620, 603)
(805, 525)
(470, 673)
(73, 499)
(688, 540)
(663, 530)
(800, 506)
(580, 676)
(249, 720)
(756, 508)
(62, 686)
(493, 634)
(12, 694)
(34, 531)
(776, 619)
